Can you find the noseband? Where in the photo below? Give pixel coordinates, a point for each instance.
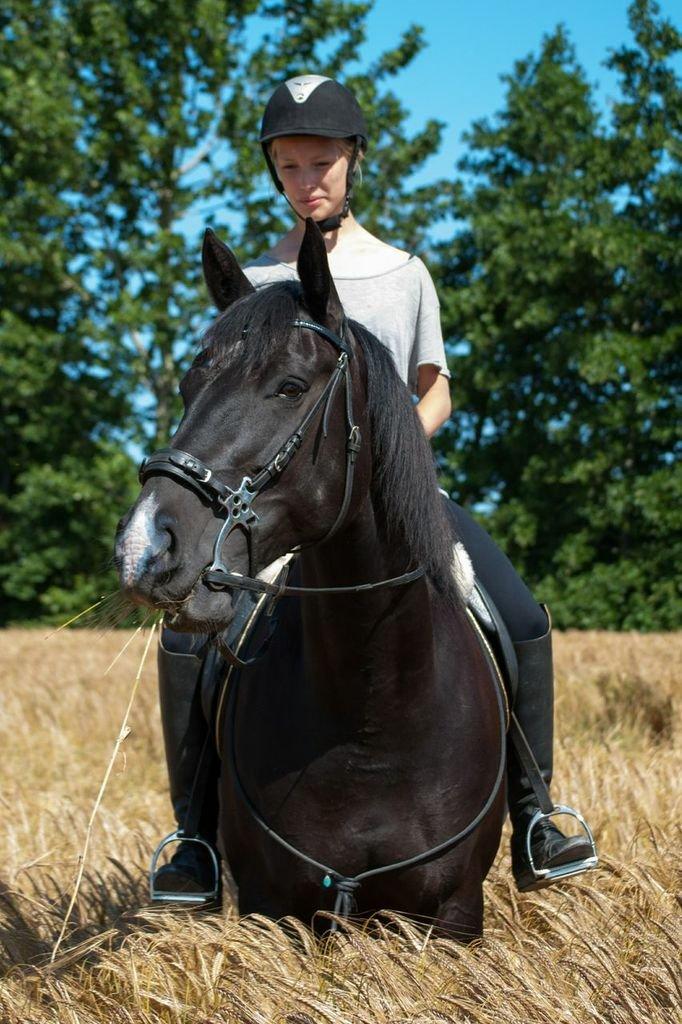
(237, 505)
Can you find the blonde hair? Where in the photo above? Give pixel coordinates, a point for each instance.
(344, 147)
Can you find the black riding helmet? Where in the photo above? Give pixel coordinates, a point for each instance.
(315, 105)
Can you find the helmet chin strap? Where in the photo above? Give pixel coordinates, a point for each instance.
(329, 223)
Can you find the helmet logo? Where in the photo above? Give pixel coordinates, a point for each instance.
(301, 88)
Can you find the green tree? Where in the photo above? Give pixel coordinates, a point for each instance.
(563, 294)
(62, 479)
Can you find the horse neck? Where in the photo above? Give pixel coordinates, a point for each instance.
(375, 648)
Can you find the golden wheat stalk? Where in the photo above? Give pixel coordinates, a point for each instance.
(103, 598)
(124, 731)
(604, 948)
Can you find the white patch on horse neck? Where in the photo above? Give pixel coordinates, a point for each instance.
(140, 538)
(462, 570)
(270, 573)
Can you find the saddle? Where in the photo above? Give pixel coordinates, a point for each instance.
(486, 614)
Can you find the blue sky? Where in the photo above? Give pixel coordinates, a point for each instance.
(457, 77)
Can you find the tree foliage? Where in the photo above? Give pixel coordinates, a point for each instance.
(62, 474)
(563, 292)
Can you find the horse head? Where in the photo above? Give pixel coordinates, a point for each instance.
(219, 492)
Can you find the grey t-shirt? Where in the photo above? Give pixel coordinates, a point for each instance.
(399, 306)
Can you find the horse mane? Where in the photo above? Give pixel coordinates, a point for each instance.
(408, 505)
(409, 509)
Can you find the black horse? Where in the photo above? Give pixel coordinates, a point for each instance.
(369, 731)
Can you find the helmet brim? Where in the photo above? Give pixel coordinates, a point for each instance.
(322, 133)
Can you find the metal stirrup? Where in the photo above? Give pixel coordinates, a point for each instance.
(547, 810)
(574, 867)
(165, 896)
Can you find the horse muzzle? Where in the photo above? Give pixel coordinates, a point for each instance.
(160, 568)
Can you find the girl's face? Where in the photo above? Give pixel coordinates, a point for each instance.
(313, 172)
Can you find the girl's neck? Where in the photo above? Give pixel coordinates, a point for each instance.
(332, 239)
(287, 248)
(351, 249)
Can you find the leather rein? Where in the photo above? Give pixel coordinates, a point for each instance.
(237, 504)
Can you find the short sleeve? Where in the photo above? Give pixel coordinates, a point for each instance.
(428, 347)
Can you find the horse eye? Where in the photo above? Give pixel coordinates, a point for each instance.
(291, 389)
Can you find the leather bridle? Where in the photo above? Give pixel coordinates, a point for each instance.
(237, 504)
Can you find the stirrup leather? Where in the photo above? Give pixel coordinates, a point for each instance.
(208, 896)
(575, 867)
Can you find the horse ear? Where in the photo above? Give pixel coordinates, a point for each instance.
(319, 292)
(224, 277)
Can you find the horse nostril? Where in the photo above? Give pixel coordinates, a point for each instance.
(122, 523)
(167, 540)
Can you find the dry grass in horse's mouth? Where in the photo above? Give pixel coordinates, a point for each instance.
(602, 948)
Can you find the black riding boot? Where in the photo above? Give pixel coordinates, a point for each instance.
(535, 712)
(181, 658)
(189, 669)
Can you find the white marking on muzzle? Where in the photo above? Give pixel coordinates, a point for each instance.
(139, 542)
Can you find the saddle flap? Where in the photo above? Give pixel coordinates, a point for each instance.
(491, 622)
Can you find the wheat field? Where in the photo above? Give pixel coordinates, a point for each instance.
(604, 947)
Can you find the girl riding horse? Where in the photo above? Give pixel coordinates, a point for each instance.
(314, 138)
